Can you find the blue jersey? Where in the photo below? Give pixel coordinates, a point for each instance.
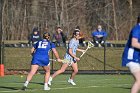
(130, 53)
(34, 38)
(41, 55)
(73, 44)
(103, 33)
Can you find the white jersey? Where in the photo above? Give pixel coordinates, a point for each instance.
(73, 44)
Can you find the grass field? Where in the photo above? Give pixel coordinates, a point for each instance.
(85, 84)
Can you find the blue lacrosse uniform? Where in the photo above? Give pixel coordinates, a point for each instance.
(73, 44)
(130, 53)
(41, 55)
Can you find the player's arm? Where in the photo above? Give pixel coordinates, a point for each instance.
(56, 54)
(74, 56)
(80, 50)
(32, 50)
(135, 43)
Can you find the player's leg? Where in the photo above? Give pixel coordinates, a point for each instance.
(75, 71)
(95, 40)
(46, 78)
(61, 70)
(136, 85)
(135, 70)
(103, 39)
(33, 70)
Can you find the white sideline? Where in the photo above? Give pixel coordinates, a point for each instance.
(63, 88)
(51, 89)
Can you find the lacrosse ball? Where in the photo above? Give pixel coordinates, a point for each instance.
(21, 76)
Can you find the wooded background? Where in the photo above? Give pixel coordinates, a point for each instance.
(20, 16)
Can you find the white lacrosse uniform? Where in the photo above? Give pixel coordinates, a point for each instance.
(73, 44)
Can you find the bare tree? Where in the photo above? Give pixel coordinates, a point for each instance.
(131, 12)
(114, 19)
(20, 16)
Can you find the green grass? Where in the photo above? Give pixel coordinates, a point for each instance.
(85, 84)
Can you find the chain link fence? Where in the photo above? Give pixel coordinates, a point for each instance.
(96, 60)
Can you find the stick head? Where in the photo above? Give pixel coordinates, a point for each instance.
(90, 45)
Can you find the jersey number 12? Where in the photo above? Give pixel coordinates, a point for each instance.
(42, 44)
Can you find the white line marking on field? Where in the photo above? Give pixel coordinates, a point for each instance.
(51, 89)
(64, 88)
(75, 87)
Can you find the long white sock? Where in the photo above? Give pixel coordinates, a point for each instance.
(46, 84)
(50, 78)
(26, 83)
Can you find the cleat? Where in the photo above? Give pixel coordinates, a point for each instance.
(47, 88)
(71, 82)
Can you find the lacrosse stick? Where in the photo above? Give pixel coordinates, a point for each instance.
(63, 60)
(90, 45)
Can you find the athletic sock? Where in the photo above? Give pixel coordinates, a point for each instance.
(46, 84)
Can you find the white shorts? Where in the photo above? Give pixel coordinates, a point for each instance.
(134, 67)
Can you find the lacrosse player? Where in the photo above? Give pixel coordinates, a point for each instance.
(40, 53)
(131, 56)
(71, 56)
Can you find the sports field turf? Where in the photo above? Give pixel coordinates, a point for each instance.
(85, 84)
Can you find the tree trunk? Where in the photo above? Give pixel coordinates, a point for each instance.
(114, 19)
(56, 13)
(131, 12)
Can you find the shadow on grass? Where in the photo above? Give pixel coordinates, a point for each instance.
(32, 83)
(37, 83)
(12, 88)
(123, 87)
